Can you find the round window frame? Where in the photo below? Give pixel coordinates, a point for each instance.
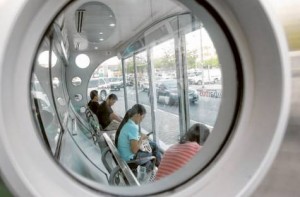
(25, 187)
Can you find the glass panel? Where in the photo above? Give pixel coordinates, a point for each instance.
(163, 59)
(42, 103)
(107, 78)
(204, 77)
(143, 87)
(58, 92)
(130, 83)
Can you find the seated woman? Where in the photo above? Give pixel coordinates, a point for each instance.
(179, 154)
(128, 140)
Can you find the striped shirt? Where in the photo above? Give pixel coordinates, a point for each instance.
(176, 157)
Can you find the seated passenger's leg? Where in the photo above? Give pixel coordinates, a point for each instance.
(144, 159)
(155, 152)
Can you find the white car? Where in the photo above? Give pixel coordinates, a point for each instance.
(115, 83)
(144, 85)
(205, 77)
(101, 86)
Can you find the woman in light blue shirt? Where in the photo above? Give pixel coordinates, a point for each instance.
(128, 140)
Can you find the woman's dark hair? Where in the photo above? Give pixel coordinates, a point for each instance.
(136, 109)
(197, 133)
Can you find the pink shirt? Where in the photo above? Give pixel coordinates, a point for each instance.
(176, 157)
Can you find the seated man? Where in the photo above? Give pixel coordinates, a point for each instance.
(93, 103)
(107, 118)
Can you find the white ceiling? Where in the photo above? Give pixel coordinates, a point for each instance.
(131, 17)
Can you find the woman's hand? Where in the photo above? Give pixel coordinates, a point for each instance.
(135, 144)
(143, 136)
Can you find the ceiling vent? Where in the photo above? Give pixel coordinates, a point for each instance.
(79, 18)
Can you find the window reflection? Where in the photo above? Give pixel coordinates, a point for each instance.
(44, 113)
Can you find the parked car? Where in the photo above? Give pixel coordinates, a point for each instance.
(205, 77)
(115, 83)
(101, 85)
(144, 85)
(167, 92)
(129, 81)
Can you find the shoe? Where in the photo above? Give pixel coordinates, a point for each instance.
(152, 174)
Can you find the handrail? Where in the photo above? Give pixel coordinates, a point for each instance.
(132, 180)
(78, 117)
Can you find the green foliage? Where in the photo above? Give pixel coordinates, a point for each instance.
(165, 62)
(191, 57)
(129, 66)
(212, 63)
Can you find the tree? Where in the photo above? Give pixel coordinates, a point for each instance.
(166, 62)
(129, 65)
(191, 57)
(211, 62)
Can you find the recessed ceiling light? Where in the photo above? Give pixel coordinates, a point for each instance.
(101, 39)
(112, 24)
(101, 33)
(96, 48)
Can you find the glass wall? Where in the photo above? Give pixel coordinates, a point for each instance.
(186, 76)
(43, 104)
(165, 86)
(204, 76)
(143, 87)
(107, 79)
(130, 82)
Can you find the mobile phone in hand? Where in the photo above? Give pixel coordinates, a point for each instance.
(149, 133)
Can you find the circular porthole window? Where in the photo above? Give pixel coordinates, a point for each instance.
(82, 109)
(61, 101)
(76, 81)
(43, 59)
(78, 97)
(55, 82)
(210, 77)
(208, 52)
(82, 61)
